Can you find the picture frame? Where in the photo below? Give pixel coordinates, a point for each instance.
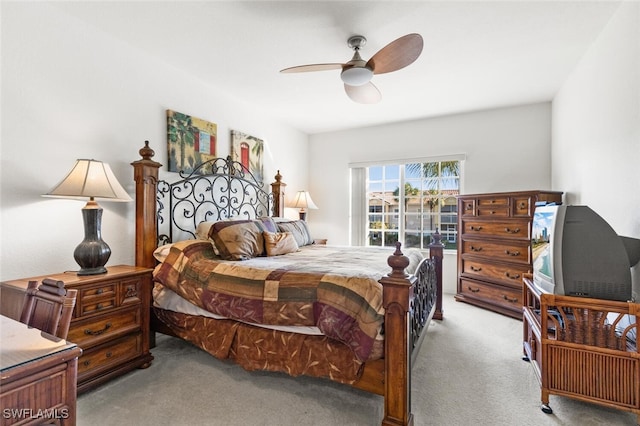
(248, 151)
(191, 141)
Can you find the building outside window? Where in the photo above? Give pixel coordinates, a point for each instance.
(408, 202)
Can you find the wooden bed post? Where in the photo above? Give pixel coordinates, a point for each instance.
(145, 174)
(436, 252)
(397, 292)
(277, 189)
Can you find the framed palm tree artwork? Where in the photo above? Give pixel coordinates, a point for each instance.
(191, 141)
(247, 150)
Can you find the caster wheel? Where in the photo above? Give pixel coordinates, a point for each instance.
(546, 409)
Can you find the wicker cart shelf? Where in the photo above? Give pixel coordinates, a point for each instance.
(583, 348)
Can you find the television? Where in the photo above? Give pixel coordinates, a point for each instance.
(576, 252)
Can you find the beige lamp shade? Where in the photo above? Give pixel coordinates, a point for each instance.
(303, 201)
(90, 179)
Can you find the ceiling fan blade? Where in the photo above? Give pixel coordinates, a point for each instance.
(312, 67)
(365, 94)
(397, 54)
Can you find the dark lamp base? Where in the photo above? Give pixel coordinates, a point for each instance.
(92, 271)
(92, 253)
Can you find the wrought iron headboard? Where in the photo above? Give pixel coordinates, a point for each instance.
(218, 189)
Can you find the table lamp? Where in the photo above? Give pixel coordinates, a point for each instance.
(91, 179)
(303, 201)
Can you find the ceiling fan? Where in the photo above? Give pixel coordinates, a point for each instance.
(357, 73)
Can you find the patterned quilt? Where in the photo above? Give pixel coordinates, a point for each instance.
(333, 288)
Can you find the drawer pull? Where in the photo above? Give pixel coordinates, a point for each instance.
(492, 212)
(476, 228)
(473, 290)
(99, 291)
(512, 253)
(87, 363)
(511, 231)
(469, 207)
(513, 277)
(475, 269)
(522, 205)
(89, 332)
(474, 248)
(108, 354)
(509, 299)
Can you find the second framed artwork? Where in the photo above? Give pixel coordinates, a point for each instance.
(247, 150)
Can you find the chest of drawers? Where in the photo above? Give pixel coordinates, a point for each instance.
(494, 247)
(110, 320)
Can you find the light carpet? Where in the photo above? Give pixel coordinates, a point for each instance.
(469, 372)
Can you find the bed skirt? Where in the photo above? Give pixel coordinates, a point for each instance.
(256, 348)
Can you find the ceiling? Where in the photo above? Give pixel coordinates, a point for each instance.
(477, 54)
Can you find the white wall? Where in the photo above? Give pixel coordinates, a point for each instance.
(506, 149)
(596, 126)
(71, 91)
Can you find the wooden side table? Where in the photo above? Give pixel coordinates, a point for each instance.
(110, 321)
(37, 376)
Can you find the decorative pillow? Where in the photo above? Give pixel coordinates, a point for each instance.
(202, 230)
(238, 240)
(202, 233)
(277, 243)
(268, 223)
(299, 229)
(279, 219)
(162, 252)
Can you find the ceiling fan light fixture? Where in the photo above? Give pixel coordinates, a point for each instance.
(356, 76)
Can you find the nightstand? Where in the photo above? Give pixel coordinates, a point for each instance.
(110, 320)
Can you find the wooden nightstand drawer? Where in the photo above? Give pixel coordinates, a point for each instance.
(130, 291)
(92, 331)
(93, 306)
(99, 292)
(104, 357)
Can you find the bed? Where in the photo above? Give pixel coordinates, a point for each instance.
(238, 280)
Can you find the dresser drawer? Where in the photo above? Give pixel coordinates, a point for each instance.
(522, 206)
(507, 297)
(494, 201)
(130, 291)
(96, 298)
(92, 331)
(505, 273)
(467, 206)
(513, 229)
(508, 251)
(104, 357)
(492, 211)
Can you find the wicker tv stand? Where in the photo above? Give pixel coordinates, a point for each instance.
(582, 355)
